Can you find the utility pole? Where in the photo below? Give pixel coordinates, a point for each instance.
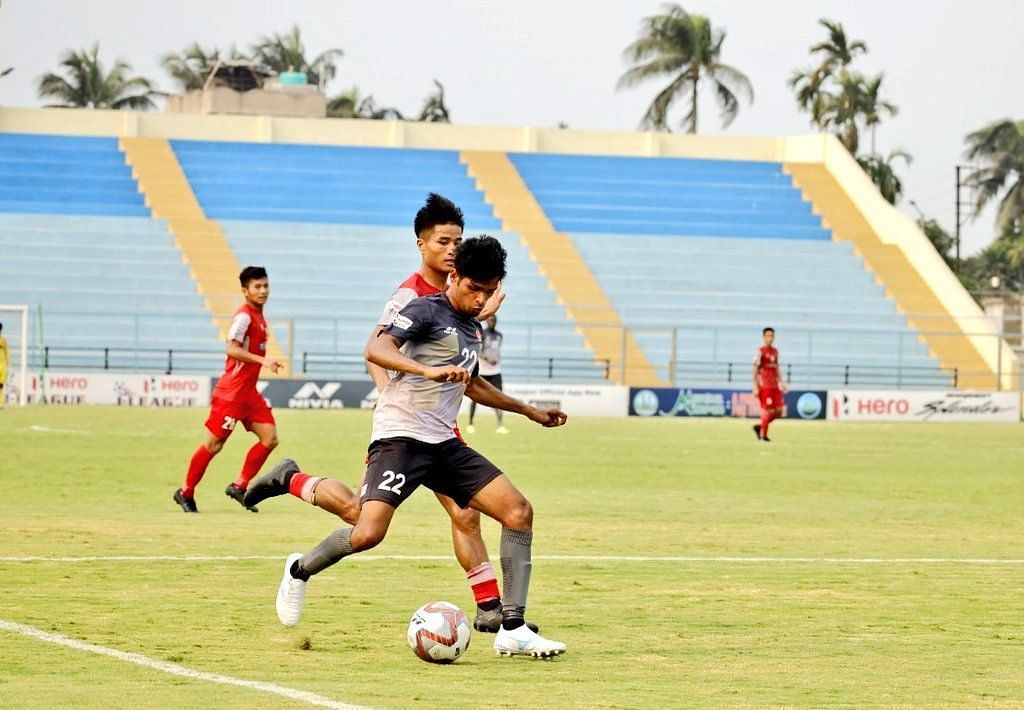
(959, 202)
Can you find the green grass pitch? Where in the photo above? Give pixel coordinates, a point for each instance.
(815, 616)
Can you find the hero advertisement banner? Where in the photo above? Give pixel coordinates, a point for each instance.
(698, 402)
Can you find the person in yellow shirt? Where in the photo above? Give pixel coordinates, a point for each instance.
(3, 364)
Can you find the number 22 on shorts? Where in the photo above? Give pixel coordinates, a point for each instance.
(229, 423)
(392, 482)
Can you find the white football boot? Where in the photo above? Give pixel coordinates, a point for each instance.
(291, 594)
(524, 642)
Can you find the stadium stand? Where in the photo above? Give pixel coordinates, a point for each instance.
(715, 250)
(346, 241)
(79, 242)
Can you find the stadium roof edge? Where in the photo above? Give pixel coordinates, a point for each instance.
(407, 134)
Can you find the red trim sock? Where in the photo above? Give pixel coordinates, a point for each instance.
(254, 461)
(483, 583)
(303, 486)
(196, 468)
(766, 419)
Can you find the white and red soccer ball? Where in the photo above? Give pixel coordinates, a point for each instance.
(439, 632)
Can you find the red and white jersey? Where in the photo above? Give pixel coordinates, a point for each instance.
(248, 327)
(766, 360)
(408, 291)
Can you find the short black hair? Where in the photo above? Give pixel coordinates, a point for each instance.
(251, 273)
(767, 330)
(480, 258)
(437, 210)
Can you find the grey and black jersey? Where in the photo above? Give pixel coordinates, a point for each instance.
(434, 334)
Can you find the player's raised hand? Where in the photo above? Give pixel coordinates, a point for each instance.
(549, 417)
(492, 305)
(447, 373)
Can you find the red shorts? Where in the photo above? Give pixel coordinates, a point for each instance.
(771, 398)
(225, 414)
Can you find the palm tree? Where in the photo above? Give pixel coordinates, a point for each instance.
(686, 48)
(1000, 147)
(191, 67)
(882, 172)
(86, 84)
(351, 104)
(434, 108)
(285, 52)
(838, 52)
(872, 106)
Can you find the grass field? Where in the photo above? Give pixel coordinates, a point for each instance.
(840, 600)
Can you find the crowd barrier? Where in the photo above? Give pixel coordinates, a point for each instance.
(578, 400)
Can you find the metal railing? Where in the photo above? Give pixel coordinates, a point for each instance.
(532, 368)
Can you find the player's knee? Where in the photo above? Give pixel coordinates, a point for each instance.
(466, 521)
(215, 446)
(519, 516)
(350, 512)
(270, 442)
(365, 537)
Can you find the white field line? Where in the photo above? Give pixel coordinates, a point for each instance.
(553, 558)
(173, 668)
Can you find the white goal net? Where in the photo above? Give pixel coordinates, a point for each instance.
(15, 332)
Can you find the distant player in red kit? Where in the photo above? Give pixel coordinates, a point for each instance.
(768, 384)
(235, 398)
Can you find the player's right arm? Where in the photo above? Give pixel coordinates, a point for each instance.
(757, 369)
(378, 374)
(384, 351)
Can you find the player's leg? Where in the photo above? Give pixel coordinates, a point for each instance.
(218, 426)
(326, 493)
(384, 492)
(502, 501)
(496, 381)
(470, 429)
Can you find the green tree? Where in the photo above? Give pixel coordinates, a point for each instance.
(352, 104)
(286, 52)
(435, 110)
(83, 82)
(836, 53)
(881, 171)
(192, 66)
(687, 49)
(999, 148)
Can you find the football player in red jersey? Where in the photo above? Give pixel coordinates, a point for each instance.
(768, 384)
(235, 398)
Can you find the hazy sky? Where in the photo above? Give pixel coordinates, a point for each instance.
(951, 66)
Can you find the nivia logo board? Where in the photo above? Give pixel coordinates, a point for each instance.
(314, 394)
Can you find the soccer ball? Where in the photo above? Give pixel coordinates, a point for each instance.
(439, 632)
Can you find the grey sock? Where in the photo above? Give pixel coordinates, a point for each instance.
(333, 547)
(516, 546)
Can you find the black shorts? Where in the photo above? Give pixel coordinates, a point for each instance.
(493, 379)
(399, 465)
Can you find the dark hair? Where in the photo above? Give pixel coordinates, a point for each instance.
(767, 330)
(251, 273)
(480, 258)
(437, 210)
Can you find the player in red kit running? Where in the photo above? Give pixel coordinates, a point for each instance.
(235, 398)
(768, 384)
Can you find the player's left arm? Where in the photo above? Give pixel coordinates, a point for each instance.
(483, 392)
(492, 305)
(778, 376)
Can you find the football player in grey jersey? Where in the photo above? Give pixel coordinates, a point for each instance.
(433, 345)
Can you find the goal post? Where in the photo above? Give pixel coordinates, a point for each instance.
(16, 335)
